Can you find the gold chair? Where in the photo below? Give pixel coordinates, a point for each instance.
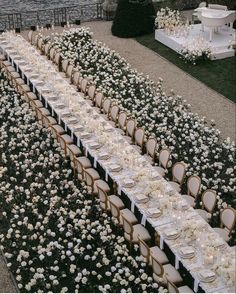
(134, 232)
(178, 174)
(172, 288)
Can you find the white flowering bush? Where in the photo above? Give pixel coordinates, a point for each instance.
(196, 50)
(168, 19)
(166, 117)
(54, 235)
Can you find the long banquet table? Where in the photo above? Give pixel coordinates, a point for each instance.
(119, 161)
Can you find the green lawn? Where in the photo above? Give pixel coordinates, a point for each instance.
(219, 75)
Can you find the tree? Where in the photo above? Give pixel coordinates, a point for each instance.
(133, 18)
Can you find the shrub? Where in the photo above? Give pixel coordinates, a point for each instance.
(133, 18)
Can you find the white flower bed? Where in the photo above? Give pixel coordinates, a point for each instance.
(54, 235)
(195, 50)
(168, 19)
(167, 117)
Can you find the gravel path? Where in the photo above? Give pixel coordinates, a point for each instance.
(6, 283)
(203, 100)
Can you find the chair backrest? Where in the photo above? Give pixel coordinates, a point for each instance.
(114, 111)
(194, 185)
(171, 287)
(139, 136)
(57, 58)
(103, 196)
(115, 211)
(83, 85)
(217, 6)
(88, 179)
(52, 53)
(130, 127)
(128, 227)
(98, 99)
(157, 267)
(164, 157)
(228, 218)
(106, 105)
(69, 70)
(45, 121)
(76, 77)
(178, 172)
(202, 4)
(122, 118)
(35, 39)
(65, 64)
(40, 43)
(144, 249)
(30, 35)
(91, 91)
(78, 166)
(151, 147)
(46, 48)
(209, 200)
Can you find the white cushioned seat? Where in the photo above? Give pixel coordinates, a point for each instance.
(185, 289)
(20, 81)
(189, 199)
(138, 232)
(175, 186)
(38, 104)
(117, 201)
(25, 88)
(31, 95)
(101, 184)
(128, 139)
(138, 148)
(6, 63)
(222, 233)
(203, 213)
(59, 129)
(53, 121)
(158, 254)
(45, 111)
(85, 162)
(15, 75)
(67, 139)
(112, 123)
(129, 215)
(74, 149)
(93, 173)
(171, 273)
(160, 170)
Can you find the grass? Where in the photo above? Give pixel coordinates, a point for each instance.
(219, 75)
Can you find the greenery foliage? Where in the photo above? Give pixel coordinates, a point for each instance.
(133, 18)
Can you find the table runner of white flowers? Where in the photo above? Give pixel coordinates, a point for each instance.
(90, 128)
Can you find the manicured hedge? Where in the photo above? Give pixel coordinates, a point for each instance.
(133, 18)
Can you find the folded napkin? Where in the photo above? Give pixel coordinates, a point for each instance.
(72, 120)
(94, 145)
(85, 135)
(141, 198)
(115, 167)
(128, 183)
(171, 232)
(104, 155)
(188, 250)
(153, 212)
(206, 274)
